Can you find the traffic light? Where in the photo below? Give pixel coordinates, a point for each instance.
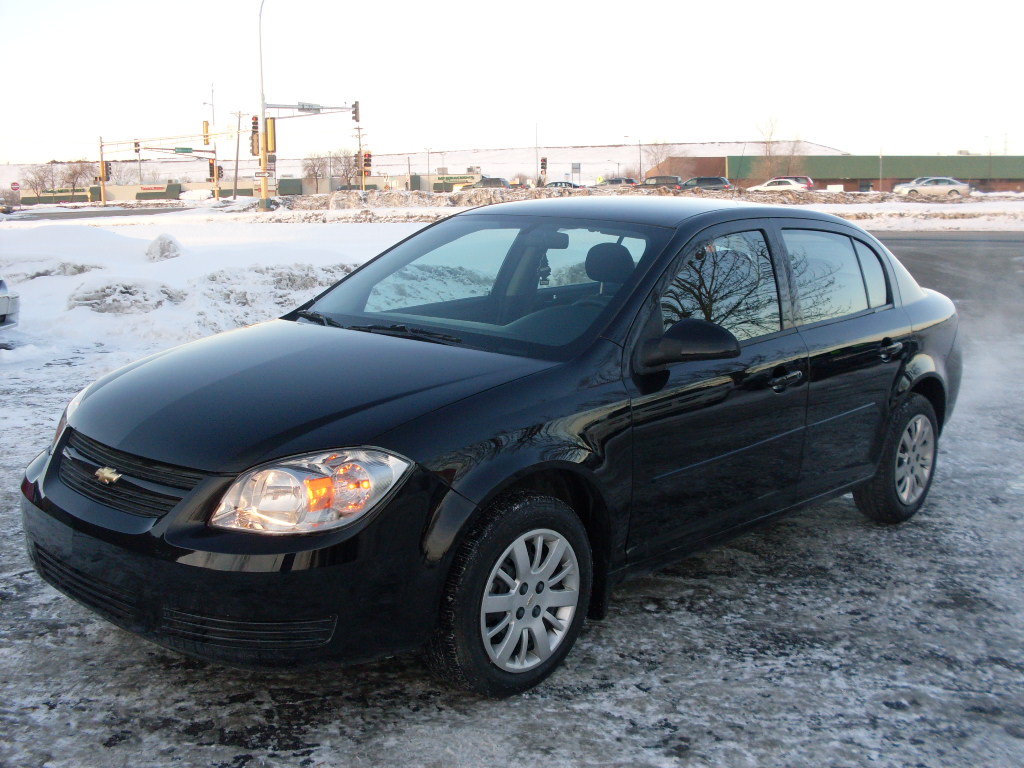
(105, 170)
(206, 131)
(270, 126)
(355, 111)
(220, 171)
(137, 148)
(367, 161)
(254, 141)
(213, 170)
(543, 165)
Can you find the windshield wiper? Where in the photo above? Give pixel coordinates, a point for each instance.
(409, 333)
(318, 317)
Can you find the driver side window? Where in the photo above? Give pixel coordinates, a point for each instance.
(728, 280)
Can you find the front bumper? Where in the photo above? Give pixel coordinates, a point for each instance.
(237, 598)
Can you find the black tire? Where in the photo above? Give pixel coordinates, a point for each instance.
(907, 465)
(538, 612)
(912, 193)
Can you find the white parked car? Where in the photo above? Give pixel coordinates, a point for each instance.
(9, 305)
(934, 186)
(779, 185)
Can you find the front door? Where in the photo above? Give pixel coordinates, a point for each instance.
(718, 443)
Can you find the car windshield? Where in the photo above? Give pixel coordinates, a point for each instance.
(531, 286)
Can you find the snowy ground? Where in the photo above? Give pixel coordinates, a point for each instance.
(821, 640)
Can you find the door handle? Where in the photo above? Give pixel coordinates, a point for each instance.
(779, 383)
(890, 349)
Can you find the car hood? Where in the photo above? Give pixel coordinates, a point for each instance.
(240, 398)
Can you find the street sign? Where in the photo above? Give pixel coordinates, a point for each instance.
(305, 106)
(183, 150)
(264, 174)
(15, 186)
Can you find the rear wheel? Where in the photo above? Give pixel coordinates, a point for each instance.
(516, 597)
(953, 193)
(907, 465)
(912, 193)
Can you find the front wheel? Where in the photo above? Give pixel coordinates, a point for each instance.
(516, 597)
(953, 193)
(912, 193)
(905, 470)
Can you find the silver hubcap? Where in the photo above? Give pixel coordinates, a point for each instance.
(915, 458)
(531, 598)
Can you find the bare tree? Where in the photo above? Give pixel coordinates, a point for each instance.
(766, 166)
(656, 154)
(314, 166)
(43, 178)
(124, 172)
(344, 164)
(77, 174)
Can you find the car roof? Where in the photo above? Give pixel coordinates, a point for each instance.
(656, 211)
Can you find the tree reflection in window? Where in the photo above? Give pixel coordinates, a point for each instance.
(828, 278)
(729, 281)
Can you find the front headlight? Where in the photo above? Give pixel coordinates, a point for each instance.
(306, 494)
(63, 423)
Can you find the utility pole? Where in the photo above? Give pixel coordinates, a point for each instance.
(238, 136)
(264, 202)
(359, 159)
(103, 180)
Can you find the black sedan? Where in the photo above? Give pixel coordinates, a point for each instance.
(466, 443)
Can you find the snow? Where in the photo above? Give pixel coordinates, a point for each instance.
(820, 640)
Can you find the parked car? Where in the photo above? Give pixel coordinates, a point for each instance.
(562, 185)
(617, 181)
(806, 181)
(488, 182)
(779, 185)
(672, 182)
(934, 186)
(467, 442)
(10, 305)
(707, 182)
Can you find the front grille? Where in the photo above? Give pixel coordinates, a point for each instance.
(145, 488)
(106, 599)
(248, 635)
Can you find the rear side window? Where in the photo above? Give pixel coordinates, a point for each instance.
(829, 280)
(874, 275)
(730, 281)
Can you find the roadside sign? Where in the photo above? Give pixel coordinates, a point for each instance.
(15, 186)
(183, 150)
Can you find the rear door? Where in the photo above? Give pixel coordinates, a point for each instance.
(857, 337)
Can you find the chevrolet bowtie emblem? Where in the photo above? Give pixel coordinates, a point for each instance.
(107, 475)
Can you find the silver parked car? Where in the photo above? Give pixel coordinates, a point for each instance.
(934, 186)
(9, 305)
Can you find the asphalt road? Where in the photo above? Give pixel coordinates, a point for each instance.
(821, 640)
(61, 214)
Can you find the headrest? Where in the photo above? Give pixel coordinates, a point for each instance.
(609, 263)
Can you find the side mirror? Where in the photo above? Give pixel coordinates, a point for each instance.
(687, 340)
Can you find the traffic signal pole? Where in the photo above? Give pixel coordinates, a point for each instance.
(103, 177)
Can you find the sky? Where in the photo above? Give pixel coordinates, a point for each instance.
(863, 77)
